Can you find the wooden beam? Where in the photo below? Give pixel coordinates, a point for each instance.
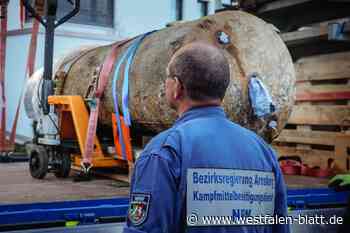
(310, 137)
(324, 88)
(341, 152)
(339, 1)
(291, 151)
(305, 182)
(308, 12)
(320, 115)
(319, 47)
(277, 5)
(304, 128)
(323, 67)
(314, 33)
(305, 35)
(307, 96)
(323, 93)
(310, 157)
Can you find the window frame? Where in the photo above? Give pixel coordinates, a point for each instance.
(80, 21)
(179, 10)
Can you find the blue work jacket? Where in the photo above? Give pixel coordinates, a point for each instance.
(205, 165)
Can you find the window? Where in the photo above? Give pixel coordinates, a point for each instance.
(92, 12)
(222, 5)
(204, 7)
(179, 9)
(229, 3)
(226, 2)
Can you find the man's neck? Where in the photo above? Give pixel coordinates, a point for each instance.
(186, 105)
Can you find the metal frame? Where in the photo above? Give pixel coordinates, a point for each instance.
(74, 120)
(322, 197)
(49, 214)
(115, 209)
(5, 145)
(50, 23)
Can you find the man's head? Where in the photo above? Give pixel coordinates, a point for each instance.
(197, 74)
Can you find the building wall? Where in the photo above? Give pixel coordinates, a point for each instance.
(131, 17)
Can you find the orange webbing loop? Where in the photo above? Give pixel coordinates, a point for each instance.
(126, 139)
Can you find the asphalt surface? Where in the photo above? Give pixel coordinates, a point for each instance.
(17, 186)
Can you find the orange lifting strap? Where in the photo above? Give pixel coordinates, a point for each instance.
(126, 139)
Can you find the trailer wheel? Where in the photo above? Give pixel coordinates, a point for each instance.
(38, 163)
(63, 168)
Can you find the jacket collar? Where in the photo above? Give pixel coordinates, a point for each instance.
(198, 112)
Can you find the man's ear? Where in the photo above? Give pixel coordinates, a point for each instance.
(178, 89)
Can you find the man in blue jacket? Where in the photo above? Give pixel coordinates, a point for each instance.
(205, 173)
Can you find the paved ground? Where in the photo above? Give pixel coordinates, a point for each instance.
(17, 186)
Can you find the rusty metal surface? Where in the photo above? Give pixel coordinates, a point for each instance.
(254, 47)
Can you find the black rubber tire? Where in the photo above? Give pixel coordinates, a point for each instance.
(63, 169)
(38, 164)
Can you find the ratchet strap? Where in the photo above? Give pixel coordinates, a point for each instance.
(128, 56)
(95, 102)
(125, 93)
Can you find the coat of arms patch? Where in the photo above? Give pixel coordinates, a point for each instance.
(138, 209)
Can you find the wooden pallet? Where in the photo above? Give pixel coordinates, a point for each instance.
(318, 128)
